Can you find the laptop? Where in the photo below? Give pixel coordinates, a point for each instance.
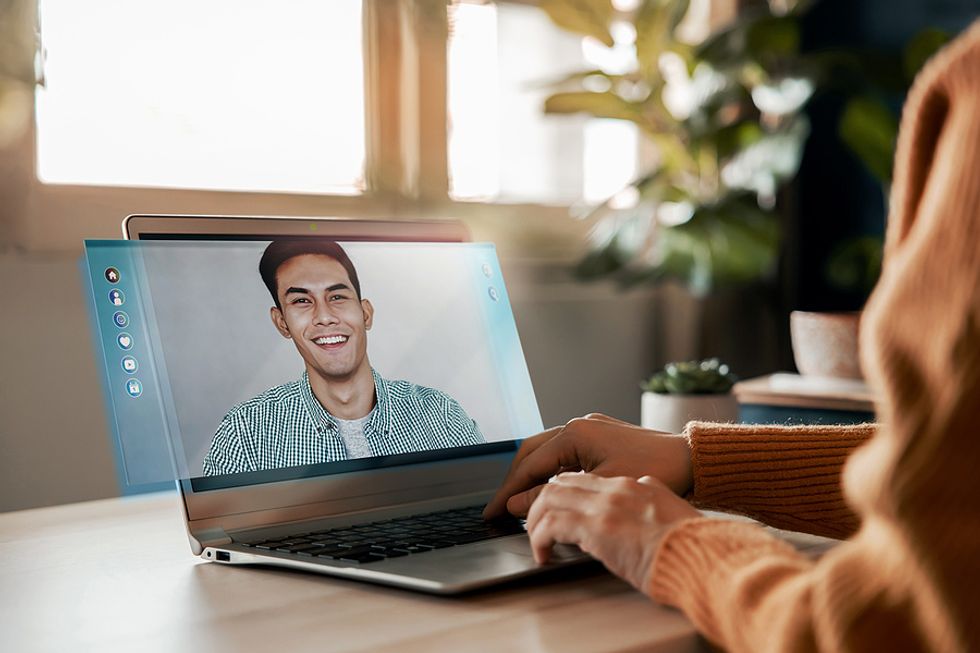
(227, 397)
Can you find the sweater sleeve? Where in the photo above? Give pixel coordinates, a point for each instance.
(786, 476)
(748, 591)
(907, 580)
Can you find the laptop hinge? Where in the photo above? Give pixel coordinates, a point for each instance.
(212, 537)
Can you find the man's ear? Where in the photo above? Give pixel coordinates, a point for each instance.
(279, 322)
(368, 312)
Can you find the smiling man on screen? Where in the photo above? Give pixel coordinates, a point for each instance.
(341, 408)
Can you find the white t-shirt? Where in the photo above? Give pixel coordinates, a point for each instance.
(352, 433)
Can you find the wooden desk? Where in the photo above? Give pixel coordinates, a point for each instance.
(117, 575)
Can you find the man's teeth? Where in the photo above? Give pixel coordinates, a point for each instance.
(330, 340)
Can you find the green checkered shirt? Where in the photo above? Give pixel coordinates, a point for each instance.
(286, 426)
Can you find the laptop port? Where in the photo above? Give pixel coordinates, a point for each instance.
(222, 556)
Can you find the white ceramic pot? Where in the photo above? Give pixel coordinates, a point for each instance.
(671, 413)
(826, 344)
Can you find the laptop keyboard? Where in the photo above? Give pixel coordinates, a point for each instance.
(392, 538)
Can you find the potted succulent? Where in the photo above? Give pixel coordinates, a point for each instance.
(685, 391)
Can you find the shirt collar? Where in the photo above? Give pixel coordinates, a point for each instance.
(380, 415)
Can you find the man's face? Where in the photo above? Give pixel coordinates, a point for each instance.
(323, 316)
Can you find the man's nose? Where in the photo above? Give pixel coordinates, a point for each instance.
(324, 315)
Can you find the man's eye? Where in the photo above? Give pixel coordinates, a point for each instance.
(300, 300)
(337, 298)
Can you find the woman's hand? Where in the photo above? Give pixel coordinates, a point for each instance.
(619, 521)
(598, 444)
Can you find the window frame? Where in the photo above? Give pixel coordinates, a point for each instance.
(406, 163)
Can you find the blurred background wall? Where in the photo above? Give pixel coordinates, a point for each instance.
(587, 344)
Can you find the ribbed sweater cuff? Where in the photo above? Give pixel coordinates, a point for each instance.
(699, 558)
(788, 477)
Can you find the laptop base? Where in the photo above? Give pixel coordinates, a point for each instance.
(448, 571)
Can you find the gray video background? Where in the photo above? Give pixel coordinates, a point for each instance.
(220, 347)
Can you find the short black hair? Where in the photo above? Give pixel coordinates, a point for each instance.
(280, 251)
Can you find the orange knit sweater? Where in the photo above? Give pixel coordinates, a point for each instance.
(909, 578)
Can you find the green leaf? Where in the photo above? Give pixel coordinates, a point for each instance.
(775, 36)
(655, 23)
(769, 161)
(674, 153)
(855, 264)
(600, 263)
(691, 377)
(722, 45)
(577, 78)
(734, 242)
(755, 35)
(744, 245)
(922, 46)
(869, 129)
(733, 138)
(600, 105)
(587, 17)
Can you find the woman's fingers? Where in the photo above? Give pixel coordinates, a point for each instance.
(594, 443)
(620, 521)
(547, 458)
(555, 527)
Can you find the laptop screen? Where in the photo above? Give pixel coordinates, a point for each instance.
(230, 363)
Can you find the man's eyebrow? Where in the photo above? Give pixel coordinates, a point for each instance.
(304, 291)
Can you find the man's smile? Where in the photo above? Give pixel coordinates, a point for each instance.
(330, 342)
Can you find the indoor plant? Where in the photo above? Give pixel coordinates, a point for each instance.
(869, 128)
(826, 343)
(725, 117)
(685, 391)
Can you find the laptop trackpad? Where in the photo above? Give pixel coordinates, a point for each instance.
(522, 545)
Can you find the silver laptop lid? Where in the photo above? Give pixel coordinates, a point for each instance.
(202, 227)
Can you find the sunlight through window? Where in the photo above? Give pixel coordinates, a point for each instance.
(503, 61)
(223, 94)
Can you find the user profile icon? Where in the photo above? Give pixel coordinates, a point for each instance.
(120, 319)
(487, 270)
(125, 341)
(112, 275)
(493, 293)
(129, 365)
(116, 297)
(134, 388)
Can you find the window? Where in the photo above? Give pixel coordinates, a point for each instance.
(359, 108)
(502, 60)
(222, 94)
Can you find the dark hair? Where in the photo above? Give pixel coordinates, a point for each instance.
(280, 251)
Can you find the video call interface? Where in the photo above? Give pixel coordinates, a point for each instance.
(236, 362)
